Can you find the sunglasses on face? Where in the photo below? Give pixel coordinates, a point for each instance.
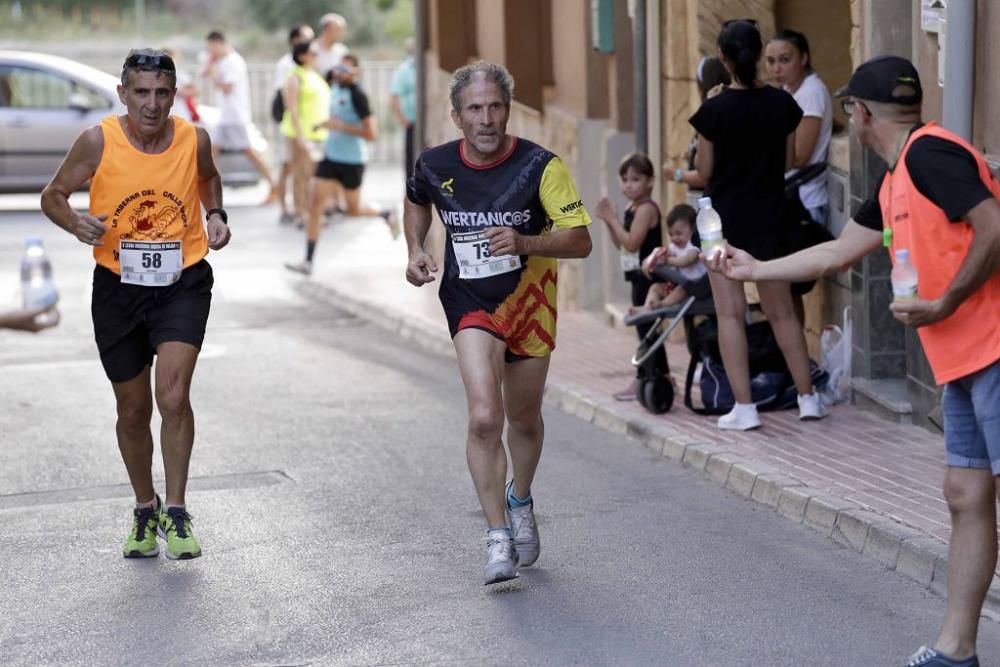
(726, 24)
(164, 62)
(847, 104)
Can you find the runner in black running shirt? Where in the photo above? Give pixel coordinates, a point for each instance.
(509, 208)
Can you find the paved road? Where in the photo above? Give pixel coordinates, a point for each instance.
(340, 526)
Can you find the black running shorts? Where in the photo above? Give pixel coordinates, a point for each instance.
(349, 175)
(130, 321)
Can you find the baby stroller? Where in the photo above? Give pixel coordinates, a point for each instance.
(655, 391)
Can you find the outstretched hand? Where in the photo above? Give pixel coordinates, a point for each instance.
(30, 319)
(732, 263)
(605, 210)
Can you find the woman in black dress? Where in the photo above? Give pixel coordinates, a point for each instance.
(745, 135)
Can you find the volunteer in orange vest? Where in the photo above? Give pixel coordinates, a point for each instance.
(938, 200)
(150, 175)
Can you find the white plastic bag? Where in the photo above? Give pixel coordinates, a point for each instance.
(835, 359)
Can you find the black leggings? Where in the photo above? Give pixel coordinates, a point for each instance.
(640, 288)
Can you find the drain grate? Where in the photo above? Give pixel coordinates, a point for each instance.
(228, 482)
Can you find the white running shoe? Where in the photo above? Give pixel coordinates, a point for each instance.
(743, 417)
(501, 559)
(303, 267)
(811, 407)
(525, 531)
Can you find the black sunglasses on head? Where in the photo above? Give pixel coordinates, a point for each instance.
(753, 22)
(161, 62)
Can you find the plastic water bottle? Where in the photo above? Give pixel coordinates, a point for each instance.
(903, 278)
(37, 287)
(709, 228)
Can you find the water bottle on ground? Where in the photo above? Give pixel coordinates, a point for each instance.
(903, 278)
(37, 288)
(709, 228)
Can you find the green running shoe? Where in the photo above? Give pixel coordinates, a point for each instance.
(175, 528)
(141, 542)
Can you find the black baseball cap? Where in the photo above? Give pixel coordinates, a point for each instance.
(887, 79)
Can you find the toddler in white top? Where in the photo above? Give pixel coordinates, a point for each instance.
(681, 254)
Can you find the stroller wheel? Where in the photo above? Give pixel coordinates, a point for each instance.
(658, 395)
(640, 391)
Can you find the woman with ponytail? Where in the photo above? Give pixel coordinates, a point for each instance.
(745, 144)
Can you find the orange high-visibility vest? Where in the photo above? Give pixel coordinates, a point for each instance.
(148, 197)
(969, 339)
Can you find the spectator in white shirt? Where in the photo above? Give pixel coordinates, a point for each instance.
(300, 34)
(332, 28)
(789, 65)
(227, 72)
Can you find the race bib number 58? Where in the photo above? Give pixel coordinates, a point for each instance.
(472, 250)
(151, 264)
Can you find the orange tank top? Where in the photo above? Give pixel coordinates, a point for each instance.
(969, 339)
(148, 197)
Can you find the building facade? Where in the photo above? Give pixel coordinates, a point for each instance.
(578, 93)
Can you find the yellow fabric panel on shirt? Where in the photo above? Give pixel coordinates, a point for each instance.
(560, 198)
(148, 197)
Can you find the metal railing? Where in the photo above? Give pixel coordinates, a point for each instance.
(375, 80)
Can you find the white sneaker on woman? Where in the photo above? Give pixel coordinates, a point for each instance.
(811, 407)
(743, 417)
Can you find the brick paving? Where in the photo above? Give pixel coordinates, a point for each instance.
(895, 470)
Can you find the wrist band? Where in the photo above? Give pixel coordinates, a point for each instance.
(678, 174)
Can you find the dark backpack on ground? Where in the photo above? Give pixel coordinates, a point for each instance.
(771, 384)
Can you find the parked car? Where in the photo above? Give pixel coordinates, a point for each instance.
(47, 101)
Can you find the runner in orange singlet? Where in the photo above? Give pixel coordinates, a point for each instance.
(150, 175)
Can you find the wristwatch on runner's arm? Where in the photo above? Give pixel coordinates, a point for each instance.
(222, 214)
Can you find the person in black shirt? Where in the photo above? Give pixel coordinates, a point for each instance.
(510, 209)
(745, 138)
(939, 201)
(636, 236)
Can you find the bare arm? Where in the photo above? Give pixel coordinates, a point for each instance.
(416, 224)
(631, 240)
(983, 259)
(210, 192)
(790, 151)
(693, 179)
(686, 259)
(805, 138)
(397, 111)
(209, 180)
(292, 104)
(570, 243)
(704, 159)
(853, 243)
(76, 169)
(28, 319)
(980, 264)
(368, 129)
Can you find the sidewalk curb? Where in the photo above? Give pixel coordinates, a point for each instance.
(895, 545)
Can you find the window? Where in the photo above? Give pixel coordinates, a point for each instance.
(25, 88)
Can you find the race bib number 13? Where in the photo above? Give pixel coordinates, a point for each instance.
(472, 250)
(151, 264)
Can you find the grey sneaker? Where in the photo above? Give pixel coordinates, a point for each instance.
(929, 657)
(501, 560)
(304, 267)
(525, 532)
(392, 220)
